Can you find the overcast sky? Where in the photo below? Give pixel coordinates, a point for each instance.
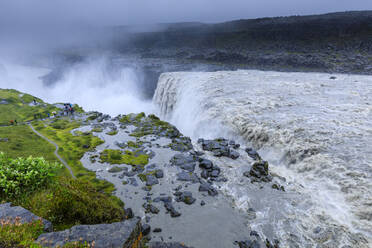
(130, 12)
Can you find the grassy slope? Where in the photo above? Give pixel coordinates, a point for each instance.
(64, 195)
(18, 107)
(72, 148)
(23, 142)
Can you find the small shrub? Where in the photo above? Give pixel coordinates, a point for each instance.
(24, 175)
(70, 202)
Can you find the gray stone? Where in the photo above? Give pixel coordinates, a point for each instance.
(205, 164)
(119, 234)
(185, 197)
(159, 244)
(145, 229)
(188, 167)
(10, 213)
(187, 176)
(159, 174)
(151, 180)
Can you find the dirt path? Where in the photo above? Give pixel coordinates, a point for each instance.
(55, 152)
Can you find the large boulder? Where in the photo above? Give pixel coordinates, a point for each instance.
(21, 215)
(120, 234)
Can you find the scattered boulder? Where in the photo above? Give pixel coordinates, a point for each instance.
(207, 187)
(187, 176)
(21, 215)
(128, 213)
(159, 244)
(149, 208)
(259, 172)
(145, 229)
(159, 174)
(252, 153)
(157, 230)
(185, 197)
(151, 180)
(170, 208)
(119, 234)
(220, 147)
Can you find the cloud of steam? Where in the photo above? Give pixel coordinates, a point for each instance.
(91, 84)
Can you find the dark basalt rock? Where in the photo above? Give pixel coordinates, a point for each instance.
(119, 234)
(167, 245)
(188, 167)
(149, 208)
(170, 208)
(187, 176)
(17, 213)
(206, 187)
(145, 229)
(151, 180)
(248, 244)
(205, 164)
(159, 174)
(128, 213)
(220, 147)
(133, 181)
(277, 187)
(260, 171)
(185, 197)
(253, 154)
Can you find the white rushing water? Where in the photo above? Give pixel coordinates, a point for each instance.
(316, 130)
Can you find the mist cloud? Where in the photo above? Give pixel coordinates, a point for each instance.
(139, 12)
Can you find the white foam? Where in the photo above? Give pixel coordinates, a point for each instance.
(317, 128)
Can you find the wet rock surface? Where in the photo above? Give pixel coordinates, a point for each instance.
(220, 147)
(15, 214)
(178, 187)
(167, 245)
(119, 234)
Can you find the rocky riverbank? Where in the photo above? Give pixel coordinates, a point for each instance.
(172, 187)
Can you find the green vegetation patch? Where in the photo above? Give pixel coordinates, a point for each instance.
(128, 157)
(112, 132)
(73, 147)
(21, 141)
(71, 202)
(20, 235)
(23, 176)
(16, 106)
(97, 130)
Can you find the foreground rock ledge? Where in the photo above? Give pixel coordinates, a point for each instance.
(120, 234)
(17, 213)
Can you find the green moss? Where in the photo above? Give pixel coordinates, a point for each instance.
(97, 130)
(112, 132)
(128, 157)
(142, 177)
(73, 147)
(69, 202)
(137, 144)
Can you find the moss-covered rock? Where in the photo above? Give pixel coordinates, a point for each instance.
(127, 157)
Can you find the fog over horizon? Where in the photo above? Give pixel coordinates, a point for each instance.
(142, 12)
